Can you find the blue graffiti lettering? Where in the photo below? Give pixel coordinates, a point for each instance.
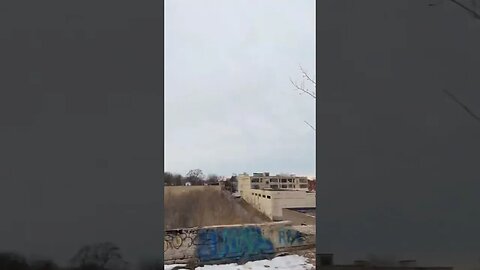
(232, 243)
(281, 237)
(290, 237)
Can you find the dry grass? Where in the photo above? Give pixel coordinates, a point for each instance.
(202, 208)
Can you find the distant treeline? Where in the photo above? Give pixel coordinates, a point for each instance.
(100, 256)
(196, 178)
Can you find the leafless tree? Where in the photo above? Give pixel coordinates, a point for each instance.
(195, 176)
(103, 256)
(303, 89)
(168, 179)
(213, 178)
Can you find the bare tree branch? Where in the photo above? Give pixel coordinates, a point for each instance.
(474, 13)
(303, 89)
(305, 75)
(465, 107)
(309, 125)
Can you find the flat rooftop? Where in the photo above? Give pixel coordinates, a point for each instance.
(307, 211)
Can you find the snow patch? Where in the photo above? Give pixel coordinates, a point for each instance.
(172, 266)
(290, 262)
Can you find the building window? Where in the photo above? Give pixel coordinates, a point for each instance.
(267, 182)
(255, 186)
(303, 186)
(303, 180)
(263, 196)
(284, 186)
(290, 186)
(268, 197)
(290, 180)
(253, 194)
(284, 180)
(273, 180)
(255, 180)
(273, 186)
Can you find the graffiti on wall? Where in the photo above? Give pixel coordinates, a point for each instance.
(232, 243)
(180, 239)
(290, 237)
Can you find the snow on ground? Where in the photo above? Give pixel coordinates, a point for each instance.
(291, 262)
(171, 266)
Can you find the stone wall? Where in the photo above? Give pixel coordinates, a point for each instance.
(233, 243)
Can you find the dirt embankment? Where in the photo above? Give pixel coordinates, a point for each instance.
(204, 208)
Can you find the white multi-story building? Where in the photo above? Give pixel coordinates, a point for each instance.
(270, 194)
(281, 182)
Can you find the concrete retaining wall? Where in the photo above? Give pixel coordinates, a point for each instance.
(234, 243)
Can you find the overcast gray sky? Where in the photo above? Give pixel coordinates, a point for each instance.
(229, 105)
